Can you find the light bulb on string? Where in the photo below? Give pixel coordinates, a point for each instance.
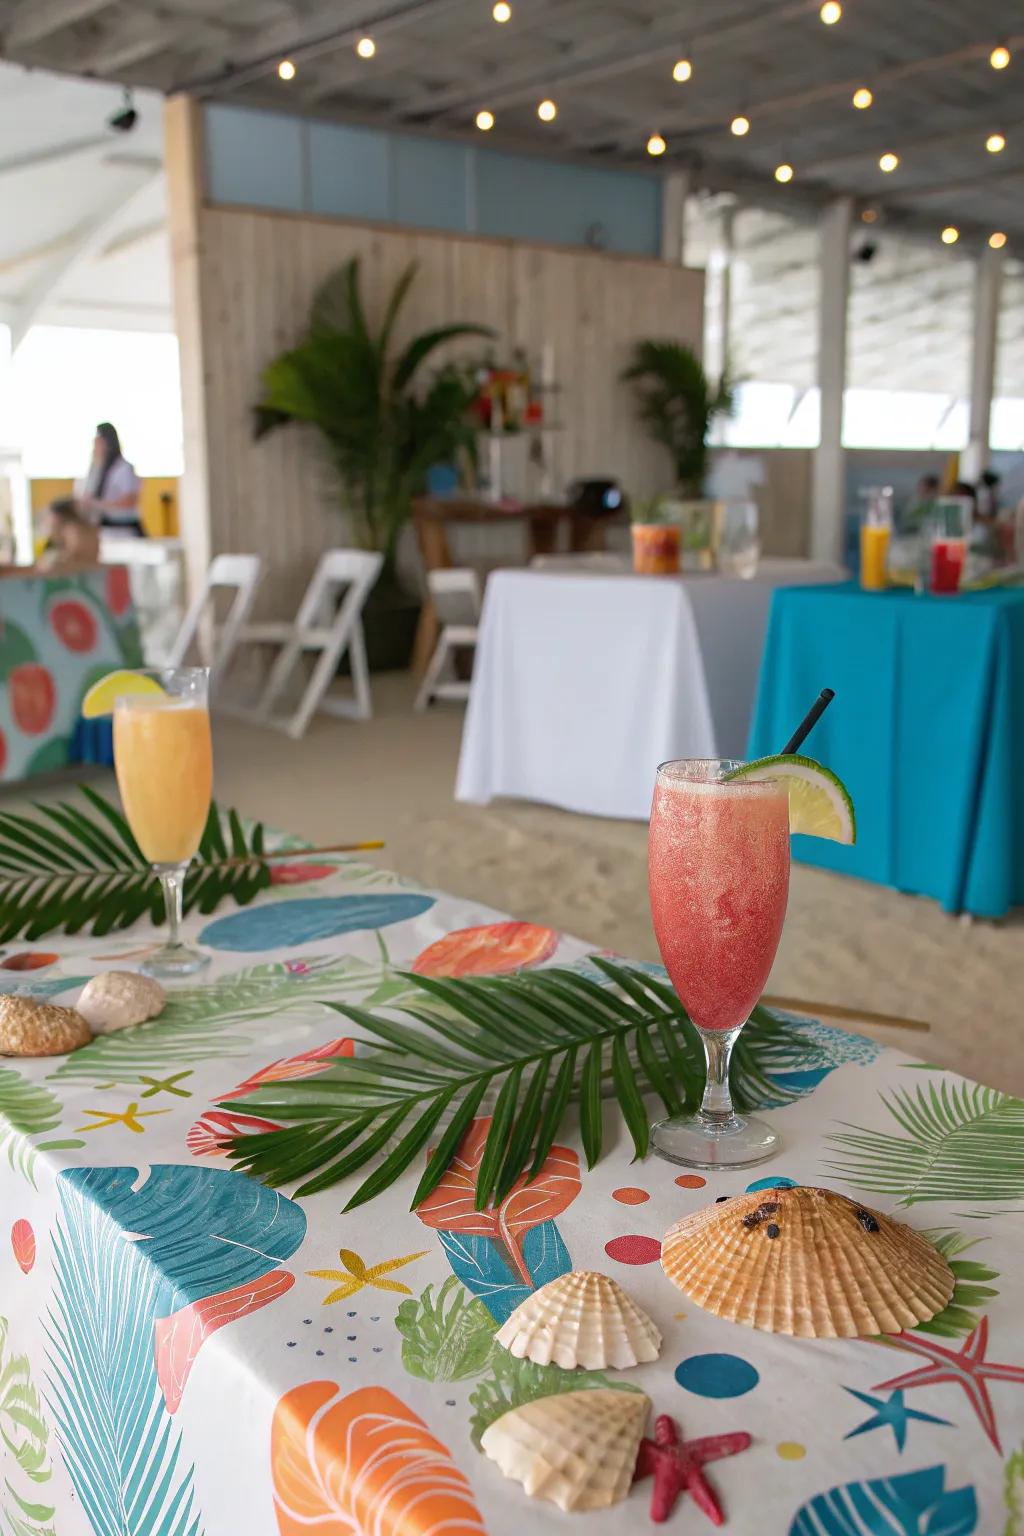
(995, 143)
(888, 162)
(547, 111)
(830, 12)
(997, 240)
(485, 121)
(740, 125)
(286, 70)
(502, 11)
(862, 98)
(366, 47)
(784, 172)
(1000, 56)
(656, 145)
(682, 69)
(950, 235)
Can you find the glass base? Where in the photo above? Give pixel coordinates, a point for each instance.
(715, 1141)
(174, 960)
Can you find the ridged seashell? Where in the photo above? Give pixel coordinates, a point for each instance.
(807, 1262)
(578, 1450)
(581, 1319)
(31, 1028)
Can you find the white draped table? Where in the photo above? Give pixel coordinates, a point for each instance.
(587, 677)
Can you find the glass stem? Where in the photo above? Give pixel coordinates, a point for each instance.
(172, 878)
(718, 1044)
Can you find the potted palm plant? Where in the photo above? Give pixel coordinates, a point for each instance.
(384, 423)
(677, 403)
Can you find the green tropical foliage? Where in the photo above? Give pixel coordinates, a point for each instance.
(65, 870)
(25, 1437)
(514, 1382)
(26, 1110)
(677, 403)
(960, 1142)
(538, 1041)
(382, 428)
(971, 1293)
(447, 1338)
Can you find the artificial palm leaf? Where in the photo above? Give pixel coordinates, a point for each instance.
(65, 870)
(972, 1293)
(534, 1042)
(960, 1142)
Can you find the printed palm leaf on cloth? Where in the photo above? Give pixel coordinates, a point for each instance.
(27, 1110)
(914, 1504)
(204, 1023)
(535, 1043)
(960, 1142)
(449, 1337)
(26, 1438)
(65, 870)
(144, 1270)
(972, 1291)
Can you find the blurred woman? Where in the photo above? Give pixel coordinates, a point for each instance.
(109, 494)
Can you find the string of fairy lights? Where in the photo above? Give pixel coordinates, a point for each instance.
(830, 13)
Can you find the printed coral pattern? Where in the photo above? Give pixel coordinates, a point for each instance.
(57, 636)
(188, 1352)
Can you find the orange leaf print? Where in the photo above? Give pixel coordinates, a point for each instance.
(449, 1206)
(492, 949)
(363, 1465)
(178, 1338)
(306, 1064)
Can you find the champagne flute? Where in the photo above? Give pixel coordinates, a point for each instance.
(719, 883)
(163, 759)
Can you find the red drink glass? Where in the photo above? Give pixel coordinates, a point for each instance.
(947, 564)
(718, 862)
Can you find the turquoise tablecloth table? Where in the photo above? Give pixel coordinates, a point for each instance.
(927, 731)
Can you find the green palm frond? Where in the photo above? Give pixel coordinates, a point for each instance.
(972, 1293)
(960, 1142)
(65, 870)
(677, 403)
(534, 1042)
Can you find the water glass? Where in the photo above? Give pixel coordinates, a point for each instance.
(739, 544)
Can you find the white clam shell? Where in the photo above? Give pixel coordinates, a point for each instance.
(119, 1000)
(581, 1319)
(578, 1449)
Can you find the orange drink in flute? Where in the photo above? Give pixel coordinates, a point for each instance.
(163, 758)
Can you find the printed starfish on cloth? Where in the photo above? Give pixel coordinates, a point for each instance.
(129, 1117)
(677, 1467)
(967, 1366)
(889, 1411)
(355, 1275)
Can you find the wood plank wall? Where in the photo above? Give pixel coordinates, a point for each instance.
(258, 273)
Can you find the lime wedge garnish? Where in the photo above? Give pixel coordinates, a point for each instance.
(819, 802)
(102, 696)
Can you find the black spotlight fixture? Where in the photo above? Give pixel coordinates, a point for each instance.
(866, 251)
(125, 118)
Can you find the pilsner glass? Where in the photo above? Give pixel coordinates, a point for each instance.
(719, 882)
(164, 764)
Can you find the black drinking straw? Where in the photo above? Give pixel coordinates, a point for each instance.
(808, 722)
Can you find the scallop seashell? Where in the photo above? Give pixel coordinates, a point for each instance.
(581, 1319)
(578, 1449)
(807, 1262)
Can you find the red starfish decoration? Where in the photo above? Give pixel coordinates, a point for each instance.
(967, 1366)
(677, 1467)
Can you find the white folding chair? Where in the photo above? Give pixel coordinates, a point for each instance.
(456, 598)
(330, 630)
(238, 572)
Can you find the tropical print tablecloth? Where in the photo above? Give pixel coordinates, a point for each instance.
(58, 636)
(185, 1351)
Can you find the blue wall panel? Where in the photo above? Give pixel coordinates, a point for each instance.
(255, 157)
(530, 199)
(349, 172)
(432, 183)
(274, 161)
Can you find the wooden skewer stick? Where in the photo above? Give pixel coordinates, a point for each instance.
(836, 1011)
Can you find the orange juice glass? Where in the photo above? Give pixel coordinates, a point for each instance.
(875, 535)
(656, 549)
(164, 763)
